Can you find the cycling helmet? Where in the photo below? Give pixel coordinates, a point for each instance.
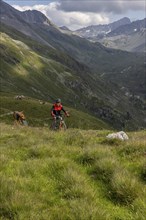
(58, 100)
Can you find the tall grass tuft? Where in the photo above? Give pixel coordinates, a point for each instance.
(124, 188)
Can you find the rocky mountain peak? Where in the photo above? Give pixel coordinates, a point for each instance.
(34, 16)
(121, 22)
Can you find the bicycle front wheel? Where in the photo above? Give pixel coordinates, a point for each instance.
(63, 126)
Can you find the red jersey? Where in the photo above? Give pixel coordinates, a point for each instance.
(56, 109)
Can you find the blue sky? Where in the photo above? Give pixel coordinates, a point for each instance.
(27, 2)
(76, 14)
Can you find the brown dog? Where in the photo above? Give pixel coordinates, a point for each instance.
(19, 117)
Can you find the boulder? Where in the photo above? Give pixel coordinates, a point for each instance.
(121, 135)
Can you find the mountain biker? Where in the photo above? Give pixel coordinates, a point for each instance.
(57, 108)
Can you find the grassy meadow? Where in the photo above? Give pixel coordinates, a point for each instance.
(72, 175)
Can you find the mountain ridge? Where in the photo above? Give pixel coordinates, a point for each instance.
(125, 37)
(95, 30)
(129, 28)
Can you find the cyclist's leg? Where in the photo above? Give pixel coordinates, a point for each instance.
(53, 125)
(63, 125)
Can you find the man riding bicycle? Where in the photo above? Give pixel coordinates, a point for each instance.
(57, 108)
(58, 122)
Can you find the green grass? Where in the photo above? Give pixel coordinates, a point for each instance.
(71, 175)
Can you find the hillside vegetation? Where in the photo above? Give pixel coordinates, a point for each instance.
(36, 71)
(23, 70)
(72, 175)
(39, 114)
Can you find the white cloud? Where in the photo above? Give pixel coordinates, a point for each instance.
(72, 19)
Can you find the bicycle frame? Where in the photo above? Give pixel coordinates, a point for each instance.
(58, 123)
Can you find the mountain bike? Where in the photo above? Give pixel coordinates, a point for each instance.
(58, 124)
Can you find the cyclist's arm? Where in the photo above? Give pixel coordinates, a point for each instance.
(52, 111)
(66, 113)
(63, 110)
